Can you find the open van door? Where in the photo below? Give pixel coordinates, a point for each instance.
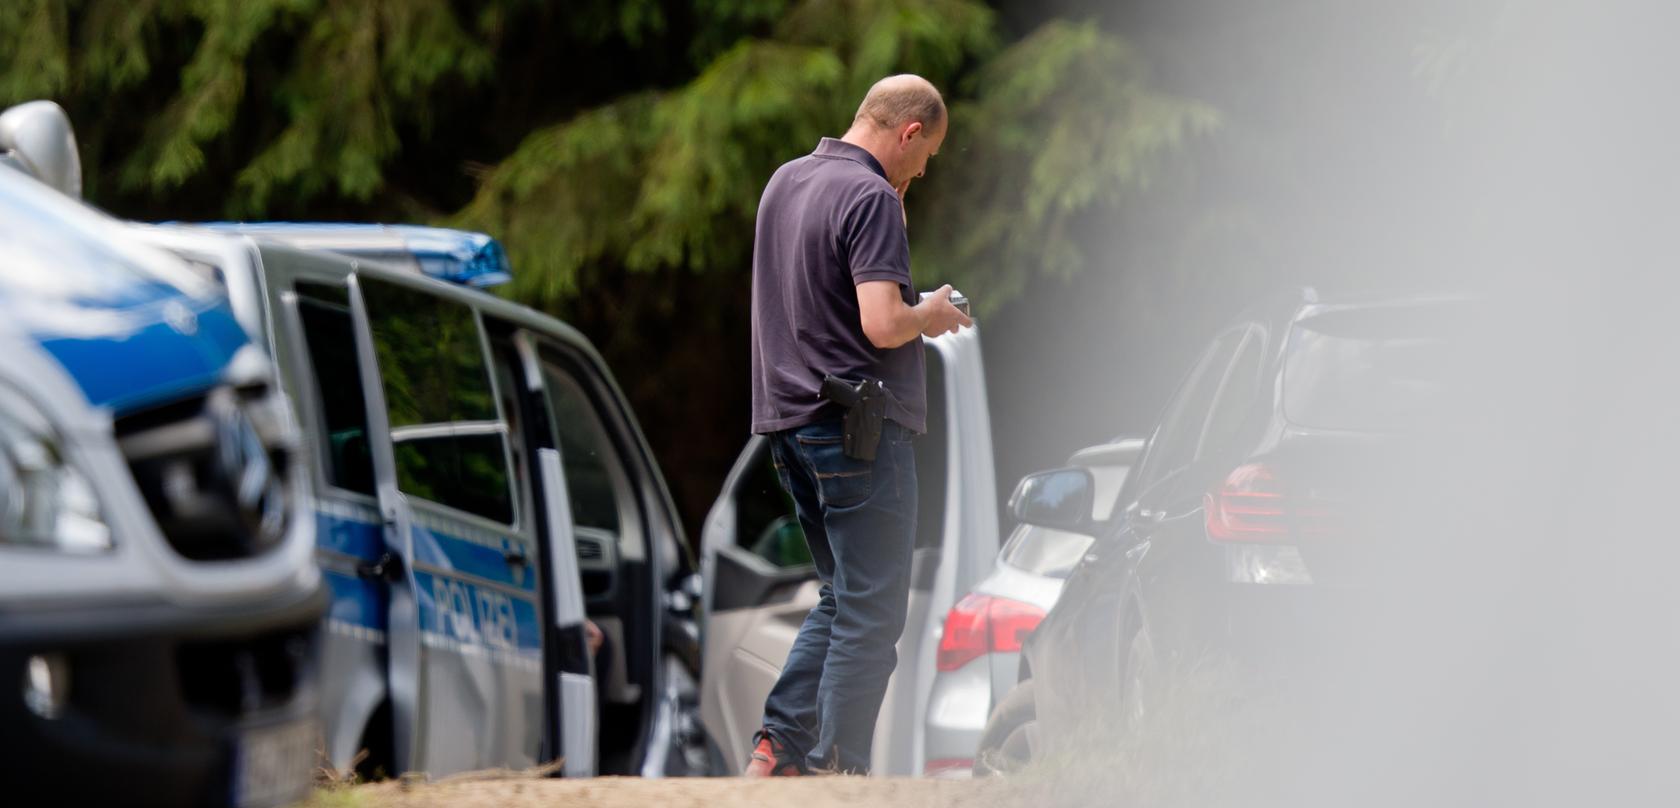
(760, 584)
(465, 653)
(571, 718)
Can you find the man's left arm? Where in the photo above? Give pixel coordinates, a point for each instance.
(889, 322)
(879, 249)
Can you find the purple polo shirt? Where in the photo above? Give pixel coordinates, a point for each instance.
(827, 222)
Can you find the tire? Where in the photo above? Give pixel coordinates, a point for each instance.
(1006, 745)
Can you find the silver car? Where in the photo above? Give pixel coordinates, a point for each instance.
(980, 646)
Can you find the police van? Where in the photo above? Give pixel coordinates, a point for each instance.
(482, 490)
(159, 602)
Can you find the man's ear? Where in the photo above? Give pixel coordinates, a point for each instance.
(910, 132)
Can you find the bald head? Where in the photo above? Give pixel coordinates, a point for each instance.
(901, 123)
(898, 100)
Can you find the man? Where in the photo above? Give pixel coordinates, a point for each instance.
(832, 296)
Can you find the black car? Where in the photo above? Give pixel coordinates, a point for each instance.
(1276, 490)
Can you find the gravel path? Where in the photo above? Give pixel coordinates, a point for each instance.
(513, 791)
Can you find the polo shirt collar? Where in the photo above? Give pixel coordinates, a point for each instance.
(835, 147)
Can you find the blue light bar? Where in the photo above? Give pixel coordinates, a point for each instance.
(457, 256)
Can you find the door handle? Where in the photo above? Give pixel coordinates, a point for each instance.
(387, 566)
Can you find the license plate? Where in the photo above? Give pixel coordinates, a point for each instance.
(274, 764)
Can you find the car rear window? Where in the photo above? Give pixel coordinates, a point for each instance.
(1370, 368)
(1044, 551)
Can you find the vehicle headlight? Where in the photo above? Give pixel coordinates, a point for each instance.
(45, 501)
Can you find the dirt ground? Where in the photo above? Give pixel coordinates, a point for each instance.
(513, 791)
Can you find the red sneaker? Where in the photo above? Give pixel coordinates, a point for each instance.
(771, 759)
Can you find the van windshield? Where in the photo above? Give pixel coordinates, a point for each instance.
(1373, 369)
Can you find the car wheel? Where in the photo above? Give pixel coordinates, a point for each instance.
(1006, 745)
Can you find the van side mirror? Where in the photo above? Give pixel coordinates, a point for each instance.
(37, 138)
(1060, 499)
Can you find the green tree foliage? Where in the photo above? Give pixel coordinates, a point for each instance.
(671, 179)
(1060, 127)
(340, 77)
(313, 99)
(1050, 129)
(617, 148)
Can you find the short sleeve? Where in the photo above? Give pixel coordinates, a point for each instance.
(876, 245)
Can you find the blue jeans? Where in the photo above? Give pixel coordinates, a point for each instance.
(859, 519)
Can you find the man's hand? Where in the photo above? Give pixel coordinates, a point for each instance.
(940, 315)
(889, 322)
(593, 636)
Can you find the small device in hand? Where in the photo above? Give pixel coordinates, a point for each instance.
(957, 299)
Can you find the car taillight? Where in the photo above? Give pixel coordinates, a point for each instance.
(982, 624)
(1253, 505)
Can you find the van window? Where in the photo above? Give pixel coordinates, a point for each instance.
(329, 335)
(449, 442)
(504, 359)
(596, 480)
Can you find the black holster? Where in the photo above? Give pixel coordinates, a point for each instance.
(866, 405)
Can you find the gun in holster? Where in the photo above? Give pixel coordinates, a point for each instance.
(866, 404)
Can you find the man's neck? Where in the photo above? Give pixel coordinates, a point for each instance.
(872, 140)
